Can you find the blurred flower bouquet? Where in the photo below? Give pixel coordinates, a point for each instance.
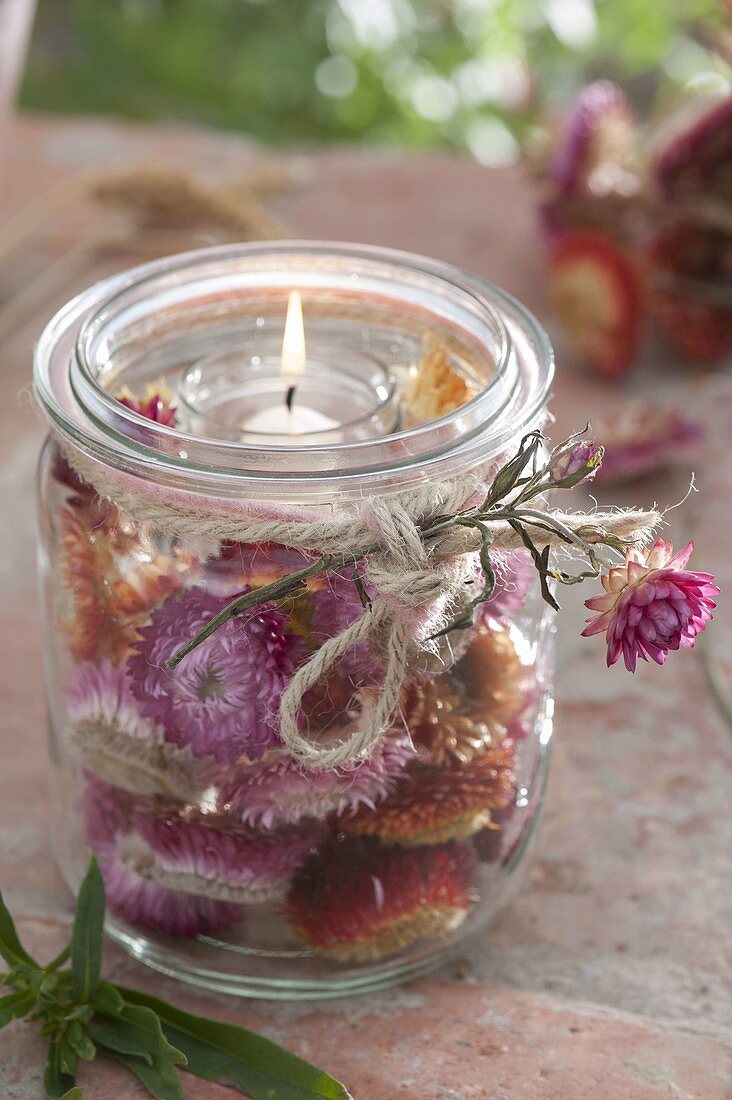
(639, 228)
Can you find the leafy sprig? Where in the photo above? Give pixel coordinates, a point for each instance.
(513, 498)
(83, 1016)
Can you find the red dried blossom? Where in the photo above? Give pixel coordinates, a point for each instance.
(357, 901)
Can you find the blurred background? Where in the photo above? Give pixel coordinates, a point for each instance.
(478, 75)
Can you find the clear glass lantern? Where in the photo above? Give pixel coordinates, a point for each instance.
(226, 862)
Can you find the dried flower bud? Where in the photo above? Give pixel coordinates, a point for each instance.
(578, 463)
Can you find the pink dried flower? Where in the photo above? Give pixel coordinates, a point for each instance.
(643, 438)
(222, 699)
(578, 463)
(183, 877)
(126, 862)
(156, 403)
(254, 563)
(652, 604)
(276, 791)
(226, 864)
(111, 738)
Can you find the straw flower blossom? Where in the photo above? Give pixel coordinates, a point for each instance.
(652, 604)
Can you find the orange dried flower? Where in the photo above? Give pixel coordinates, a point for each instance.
(437, 388)
(107, 602)
(430, 805)
(458, 715)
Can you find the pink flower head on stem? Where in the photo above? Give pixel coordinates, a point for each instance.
(578, 463)
(652, 604)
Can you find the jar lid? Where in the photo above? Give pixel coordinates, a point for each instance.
(187, 318)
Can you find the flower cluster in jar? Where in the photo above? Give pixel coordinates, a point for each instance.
(194, 807)
(639, 229)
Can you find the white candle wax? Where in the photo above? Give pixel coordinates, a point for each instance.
(279, 420)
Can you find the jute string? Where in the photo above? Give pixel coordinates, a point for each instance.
(416, 582)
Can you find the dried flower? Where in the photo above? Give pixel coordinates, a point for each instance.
(598, 146)
(652, 604)
(108, 603)
(430, 805)
(690, 270)
(156, 403)
(596, 292)
(454, 717)
(694, 153)
(358, 902)
(222, 699)
(437, 388)
(224, 864)
(126, 861)
(163, 196)
(572, 465)
(177, 874)
(643, 438)
(113, 740)
(276, 791)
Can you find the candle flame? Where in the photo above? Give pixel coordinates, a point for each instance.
(293, 342)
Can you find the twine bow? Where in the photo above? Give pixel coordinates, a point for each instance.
(415, 588)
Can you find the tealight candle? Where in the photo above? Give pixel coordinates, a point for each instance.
(255, 397)
(289, 417)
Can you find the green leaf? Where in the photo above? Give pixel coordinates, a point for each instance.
(231, 1055)
(159, 1078)
(107, 1000)
(55, 1082)
(86, 940)
(146, 1019)
(78, 1039)
(68, 1059)
(74, 1094)
(137, 1030)
(11, 948)
(16, 1005)
(116, 1037)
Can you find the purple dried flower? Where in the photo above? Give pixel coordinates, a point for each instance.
(643, 438)
(597, 143)
(236, 865)
(184, 877)
(222, 698)
(126, 864)
(577, 463)
(156, 403)
(276, 791)
(111, 738)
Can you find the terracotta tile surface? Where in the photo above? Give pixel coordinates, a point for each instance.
(609, 975)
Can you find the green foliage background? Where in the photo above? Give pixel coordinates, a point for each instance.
(406, 72)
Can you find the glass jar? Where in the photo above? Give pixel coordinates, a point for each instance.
(228, 862)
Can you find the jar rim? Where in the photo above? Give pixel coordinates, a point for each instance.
(86, 415)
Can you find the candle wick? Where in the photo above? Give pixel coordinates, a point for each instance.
(290, 397)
